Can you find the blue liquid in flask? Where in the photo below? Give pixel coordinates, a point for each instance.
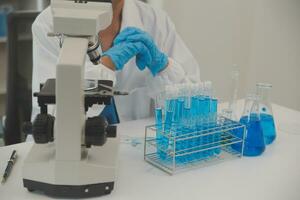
(239, 133)
(268, 127)
(254, 142)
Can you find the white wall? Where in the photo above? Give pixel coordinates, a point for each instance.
(261, 36)
(275, 50)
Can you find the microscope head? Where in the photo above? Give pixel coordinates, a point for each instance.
(80, 18)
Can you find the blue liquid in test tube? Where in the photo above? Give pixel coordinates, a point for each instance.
(206, 125)
(214, 114)
(170, 108)
(169, 120)
(199, 111)
(187, 132)
(160, 138)
(194, 117)
(179, 127)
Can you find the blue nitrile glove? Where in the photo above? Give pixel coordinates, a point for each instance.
(121, 53)
(159, 59)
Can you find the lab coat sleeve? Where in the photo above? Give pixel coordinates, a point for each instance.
(45, 57)
(182, 67)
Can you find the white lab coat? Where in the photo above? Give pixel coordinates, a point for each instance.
(141, 84)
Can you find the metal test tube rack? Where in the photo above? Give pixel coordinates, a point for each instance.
(224, 140)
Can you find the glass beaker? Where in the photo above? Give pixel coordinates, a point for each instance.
(254, 144)
(266, 113)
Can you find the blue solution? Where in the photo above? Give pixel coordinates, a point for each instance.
(194, 106)
(268, 127)
(177, 119)
(216, 136)
(187, 119)
(199, 108)
(189, 131)
(205, 140)
(170, 107)
(186, 128)
(214, 107)
(254, 142)
(161, 140)
(194, 115)
(207, 114)
(168, 121)
(179, 115)
(240, 134)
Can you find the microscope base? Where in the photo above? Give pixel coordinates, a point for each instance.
(94, 175)
(69, 191)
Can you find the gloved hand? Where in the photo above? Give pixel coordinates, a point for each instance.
(133, 35)
(121, 53)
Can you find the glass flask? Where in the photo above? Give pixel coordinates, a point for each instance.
(250, 98)
(266, 114)
(254, 144)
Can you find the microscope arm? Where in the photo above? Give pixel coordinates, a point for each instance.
(70, 113)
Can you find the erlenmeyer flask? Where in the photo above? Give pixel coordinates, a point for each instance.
(254, 144)
(250, 98)
(266, 114)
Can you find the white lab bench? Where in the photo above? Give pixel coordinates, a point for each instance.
(273, 176)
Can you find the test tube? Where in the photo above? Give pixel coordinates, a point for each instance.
(195, 142)
(213, 124)
(181, 127)
(170, 108)
(189, 122)
(173, 115)
(199, 101)
(201, 104)
(207, 115)
(194, 105)
(159, 129)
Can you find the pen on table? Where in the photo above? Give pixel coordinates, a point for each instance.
(9, 166)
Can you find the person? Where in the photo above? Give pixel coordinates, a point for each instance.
(142, 52)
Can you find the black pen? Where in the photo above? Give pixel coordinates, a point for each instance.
(9, 166)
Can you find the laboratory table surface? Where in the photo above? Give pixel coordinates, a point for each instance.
(273, 176)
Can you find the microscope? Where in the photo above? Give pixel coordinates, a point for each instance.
(74, 156)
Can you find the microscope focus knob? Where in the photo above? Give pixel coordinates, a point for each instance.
(42, 128)
(96, 131)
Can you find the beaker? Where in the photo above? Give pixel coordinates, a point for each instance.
(254, 144)
(266, 113)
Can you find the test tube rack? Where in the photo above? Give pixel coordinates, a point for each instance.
(178, 150)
